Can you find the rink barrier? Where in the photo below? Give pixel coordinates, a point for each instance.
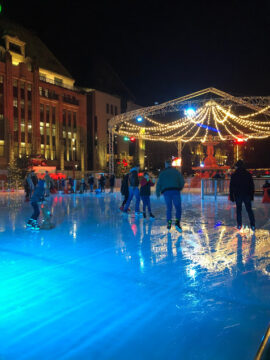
(217, 187)
(263, 352)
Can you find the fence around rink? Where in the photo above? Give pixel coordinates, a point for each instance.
(217, 187)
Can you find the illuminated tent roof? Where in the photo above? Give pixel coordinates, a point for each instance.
(195, 116)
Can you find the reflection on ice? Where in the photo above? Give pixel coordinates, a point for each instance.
(127, 286)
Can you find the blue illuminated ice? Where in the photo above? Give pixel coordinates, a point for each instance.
(103, 286)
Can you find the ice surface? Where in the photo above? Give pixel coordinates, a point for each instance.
(102, 286)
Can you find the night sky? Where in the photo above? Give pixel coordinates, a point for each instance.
(160, 51)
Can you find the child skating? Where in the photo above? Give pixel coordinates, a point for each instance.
(37, 197)
(145, 192)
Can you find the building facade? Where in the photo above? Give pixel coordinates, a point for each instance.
(41, 112)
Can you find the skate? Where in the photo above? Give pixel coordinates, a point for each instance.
(35, 225)
(253, 228)
(121, 208)
(239, 227)
(138, 213)
(152, 216)
(29, 223)
(169, 225)
(178, 226)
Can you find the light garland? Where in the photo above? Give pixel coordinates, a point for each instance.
(185, 128)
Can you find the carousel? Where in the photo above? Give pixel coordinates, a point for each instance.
(209, 116)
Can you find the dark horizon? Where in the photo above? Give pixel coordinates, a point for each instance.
(160, 52)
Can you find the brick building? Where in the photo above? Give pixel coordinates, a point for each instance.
(41, 112)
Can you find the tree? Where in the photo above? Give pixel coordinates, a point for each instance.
(14, 174)
(17, 171)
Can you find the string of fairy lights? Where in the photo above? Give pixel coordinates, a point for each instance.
(197, 124)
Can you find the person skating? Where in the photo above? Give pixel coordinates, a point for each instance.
(34, 178)
(133, 190)
(82, 186)
(48, 182)
(102, 180)
(91, 182)
(145, 192)
(170, 183)
(37, 197)
(124, 191)
(242, 191)
(112, 182)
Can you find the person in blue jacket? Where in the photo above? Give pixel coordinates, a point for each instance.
(37, 197)
(170, 183)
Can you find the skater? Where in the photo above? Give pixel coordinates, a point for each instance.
(34, 178)
(102, 183)
(30, 186)
(48, 182)
(82, 186)
(266, 192)
(91, 182)
(124, 191)
(242, 191)
(170, 183)
(133, 190)
(27, 188)
(37, 197)
(112, 182)
(145, 192)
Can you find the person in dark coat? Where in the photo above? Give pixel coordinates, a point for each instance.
(170, 184)
(124, 190)
(34, 178)
(242, 191)
(91, 181)
(37, 197)
(145, 192)
(133, 189)
(112, 182)
(102, 180)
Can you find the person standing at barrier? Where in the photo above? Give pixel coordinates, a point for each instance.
(170, 183)
(242, 191)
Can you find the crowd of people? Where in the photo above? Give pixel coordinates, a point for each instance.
(170, 183)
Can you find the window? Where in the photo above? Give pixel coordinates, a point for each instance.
(69, 118)
(2, 128)
(112, 109)
(74, 121)
(2, 147)
(22, 90)
(42, 77)
(53, 115)
(64, 118)
(15, 48)
(15, 88)
(58, 81)
(41, 113)
(115, 110)
(107, 108)
(47, 114)
(29, 112)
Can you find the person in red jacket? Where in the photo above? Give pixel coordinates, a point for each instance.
(145, 193)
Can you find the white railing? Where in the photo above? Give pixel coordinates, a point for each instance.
(217, 187)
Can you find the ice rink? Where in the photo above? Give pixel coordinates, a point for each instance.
(103, 286)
